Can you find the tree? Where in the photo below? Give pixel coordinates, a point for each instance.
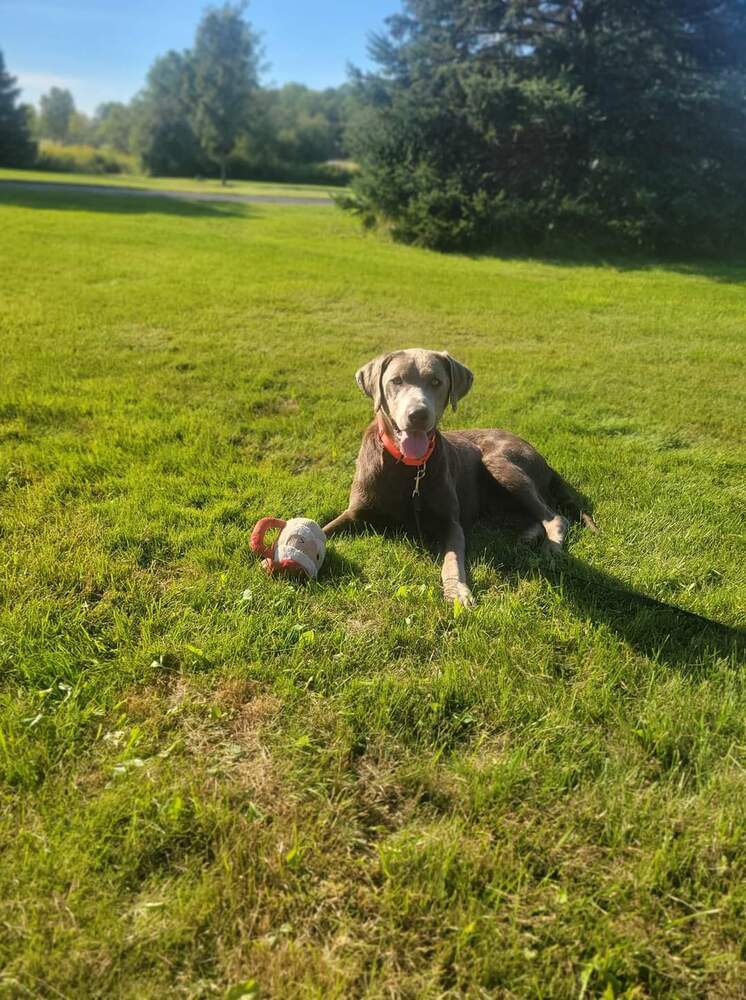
(32, 119)
(17, 149)
(81, 129)
(56, 111)
(292, 132)
(223, 71)
(113, 124)
(624, 118)
(162, 131)
(307, 125)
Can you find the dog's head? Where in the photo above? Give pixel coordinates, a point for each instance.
(411, 389)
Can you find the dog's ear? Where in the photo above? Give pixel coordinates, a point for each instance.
(370, 379)
(461, 378)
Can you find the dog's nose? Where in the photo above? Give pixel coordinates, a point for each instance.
(418, 416)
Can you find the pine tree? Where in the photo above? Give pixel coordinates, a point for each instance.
(491, 118)
(16, 146)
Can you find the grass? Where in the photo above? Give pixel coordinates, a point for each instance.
(168, 183)
(215, 784)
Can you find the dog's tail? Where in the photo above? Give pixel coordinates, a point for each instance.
(568, 497)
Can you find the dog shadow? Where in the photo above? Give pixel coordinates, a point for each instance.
(655, 628)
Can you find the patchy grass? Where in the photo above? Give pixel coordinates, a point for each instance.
(214, 784)
(206, 185)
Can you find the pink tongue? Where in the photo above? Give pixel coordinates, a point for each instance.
(413, 444)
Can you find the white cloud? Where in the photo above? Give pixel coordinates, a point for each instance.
(39, 83)
(88, 92)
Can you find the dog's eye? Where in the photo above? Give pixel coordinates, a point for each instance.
(397, 380)
(436, 382)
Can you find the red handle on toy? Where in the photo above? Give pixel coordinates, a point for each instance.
(257, 536)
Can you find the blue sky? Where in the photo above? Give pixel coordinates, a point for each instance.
(101, 49)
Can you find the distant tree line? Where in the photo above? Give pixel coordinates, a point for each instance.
(200, 112)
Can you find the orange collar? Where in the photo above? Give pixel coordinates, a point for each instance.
(393, 449)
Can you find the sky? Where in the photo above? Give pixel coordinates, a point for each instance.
(102, 49)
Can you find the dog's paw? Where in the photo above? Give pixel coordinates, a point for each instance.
(534, 535)
(455, 591)
(557, 529)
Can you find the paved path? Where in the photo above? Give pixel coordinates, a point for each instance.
(113, 189)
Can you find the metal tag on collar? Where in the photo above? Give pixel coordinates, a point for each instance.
(421, 471)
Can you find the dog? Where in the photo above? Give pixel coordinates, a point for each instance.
(437, 484)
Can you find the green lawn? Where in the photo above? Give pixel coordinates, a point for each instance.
(213, 784)
(170, 183)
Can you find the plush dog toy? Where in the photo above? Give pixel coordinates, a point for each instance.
(299, 548)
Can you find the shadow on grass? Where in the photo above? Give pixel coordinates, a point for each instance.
(114, 201)
(339, 568)
(652, 627)
(730, 271)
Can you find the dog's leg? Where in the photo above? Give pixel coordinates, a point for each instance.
(520, 486)
(454, 566)
(534, 534)
(346, 519)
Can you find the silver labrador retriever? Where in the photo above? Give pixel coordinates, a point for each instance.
(437, 484)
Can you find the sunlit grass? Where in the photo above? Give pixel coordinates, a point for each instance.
(170, 183)
(213, 781)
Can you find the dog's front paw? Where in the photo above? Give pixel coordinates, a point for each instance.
(556, 530)
(533, 535)
(455, 591)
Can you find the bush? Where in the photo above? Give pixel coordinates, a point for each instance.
(243, 167)
(83, 159)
